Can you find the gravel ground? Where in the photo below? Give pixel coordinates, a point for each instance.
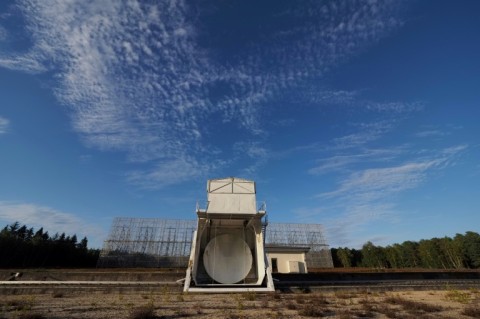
(165, 303)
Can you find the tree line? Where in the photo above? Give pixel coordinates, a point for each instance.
(459, 252)
(21, 246)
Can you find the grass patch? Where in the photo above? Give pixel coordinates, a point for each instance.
(240, 305)
(250, 296)
(364, 314)
(343, 295)
(415, 307)
(300, 299)
(474, 291)
(20, 305)
(143, 312)
(366, 303)
(291, 306)
(312, 311)
(458, 296)
(57, 294)
(472, 311)
(350, 314)
(367, 307)
(265, 303)
(318, 299)
(306, 290)
(198, 308)
(31, 315)
(389, 312)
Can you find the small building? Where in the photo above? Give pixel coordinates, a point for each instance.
(287, 259)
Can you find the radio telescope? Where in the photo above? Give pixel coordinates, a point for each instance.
(228, 247)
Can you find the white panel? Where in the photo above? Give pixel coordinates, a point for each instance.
(293, 266)
(231, 204)
(227, 258)
(231, 185)
(220, 186)
(244, 188)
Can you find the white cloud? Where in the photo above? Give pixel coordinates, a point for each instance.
(4, 124)
(333, 97)
(51, 220)
(366, 133)
(366, 195)
(431, 133)
(382, 182)
(24, 63)
(137, 80)
(454, 150)
(3, 33)
(353, 101)
(167, 173)
(395, 107)
(332, 164)
(251, 149)
(254, 153)
(341, 229)
(343, 163)
(371, 184)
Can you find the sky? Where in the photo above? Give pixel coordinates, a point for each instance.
(362, 116)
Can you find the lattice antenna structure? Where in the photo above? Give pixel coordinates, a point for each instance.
(147, 242)
(151, 242)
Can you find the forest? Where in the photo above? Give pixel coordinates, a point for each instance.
(23, 247)
(459, 252)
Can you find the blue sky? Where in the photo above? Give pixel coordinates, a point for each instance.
(359, 115)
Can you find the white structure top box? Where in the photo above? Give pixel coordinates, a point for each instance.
(231, 196)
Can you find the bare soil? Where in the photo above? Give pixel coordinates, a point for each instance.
(446, 303)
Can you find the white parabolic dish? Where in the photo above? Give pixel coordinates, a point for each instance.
(227, 258)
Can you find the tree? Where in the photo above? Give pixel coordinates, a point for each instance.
(29, 234)
(426, 253)
(38, 237)
(373, 256)
(471, 249)
(345, 256)
(393, 256)
(452, 251)
(21, 246)
(83, 243)
(409, 254)
(447, 253)
(14, 227)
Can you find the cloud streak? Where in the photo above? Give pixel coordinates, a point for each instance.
(167, 173)
(344, 163)
(4, 125)
(367, 195)
(137, 77)
(372, 184)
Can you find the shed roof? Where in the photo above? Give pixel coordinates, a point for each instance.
(285, 249)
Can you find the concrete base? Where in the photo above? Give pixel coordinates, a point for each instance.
(230, 289)
(218, 289)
